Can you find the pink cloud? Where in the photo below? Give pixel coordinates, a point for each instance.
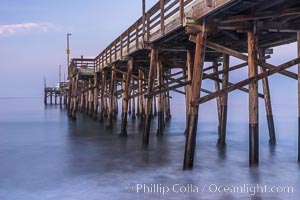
(13, 29)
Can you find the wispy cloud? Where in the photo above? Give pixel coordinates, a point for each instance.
(13, 29)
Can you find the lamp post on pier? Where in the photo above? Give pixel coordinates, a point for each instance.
(68, 49)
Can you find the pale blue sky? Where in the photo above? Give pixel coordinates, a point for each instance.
(33, 42)
(33, 37)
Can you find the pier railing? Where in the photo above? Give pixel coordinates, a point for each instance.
(157, 22)
(81, 65)
(164, 17)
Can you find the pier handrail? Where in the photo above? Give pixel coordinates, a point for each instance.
(133, 38)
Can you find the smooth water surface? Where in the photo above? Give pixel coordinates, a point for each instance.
(46, 156)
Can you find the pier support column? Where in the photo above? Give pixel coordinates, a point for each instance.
(195, 93)
(55, 98)
(116, 106)
(95, 107)
(91, 98)
(111, 97)
(45, 98)
(141, 98)
(298, 45)
(133, 112)
(253, 100)
(224, 102)
(167, 100)
(74, 97)
(187, 88)
(102, 90)
(70, 97)
(149, 100)
(267, 98)
(218, 99)
(60, 98)
(160, 99)
(126, 94)
(51, 94)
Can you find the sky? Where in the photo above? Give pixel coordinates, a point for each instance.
(33, 43)
(33, 37)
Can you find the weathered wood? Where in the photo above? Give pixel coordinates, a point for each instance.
(140, 97)
(160, 119)
(224, 101)
(246, 82)
(45, 98)
(95, 100)
(253, 100)
(162, 16)
(245, 58)
(133, 113)
(69, 98)
(51, 94)
(195, 93)
(91, 98)
(102, 92)
(144, 19)
(181, 10)
(241, 56)
(268, 105)
(153, 64)
(125, 98)
(218, 72)
(187, 88)
(111, 98)
(218, 99)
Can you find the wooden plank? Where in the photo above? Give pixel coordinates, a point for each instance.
(246, 82)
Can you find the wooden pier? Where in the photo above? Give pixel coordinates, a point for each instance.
(166, 50)
(60, 92)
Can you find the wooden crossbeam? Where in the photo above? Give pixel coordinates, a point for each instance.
(167, 89)
(227, 70)
(241, 56)
(246, 82)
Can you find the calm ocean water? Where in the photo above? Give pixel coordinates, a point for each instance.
(45, 156)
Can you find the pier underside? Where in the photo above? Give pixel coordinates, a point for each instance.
(168, 49)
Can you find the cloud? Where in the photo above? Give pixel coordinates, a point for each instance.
(13, 29)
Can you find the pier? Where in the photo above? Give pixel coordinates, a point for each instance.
(169, 48)
(58, 93)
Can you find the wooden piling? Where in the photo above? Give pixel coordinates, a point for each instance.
(253, 100)
(133, 112)
(218, 100)
(167, 100)
(45, 97)
(60, 97)
(160, 118)
(195, 93)
(102, 90)
(153, 64)
(69, 98)
(51, 94)
(267, 98)
(125, 97)
(90, 99)
(111, 98)
(224, 102)
(187, 88)
(55, 98)
(95, 100)
(141, 98)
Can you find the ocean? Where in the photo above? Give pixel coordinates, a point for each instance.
(46, 156)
